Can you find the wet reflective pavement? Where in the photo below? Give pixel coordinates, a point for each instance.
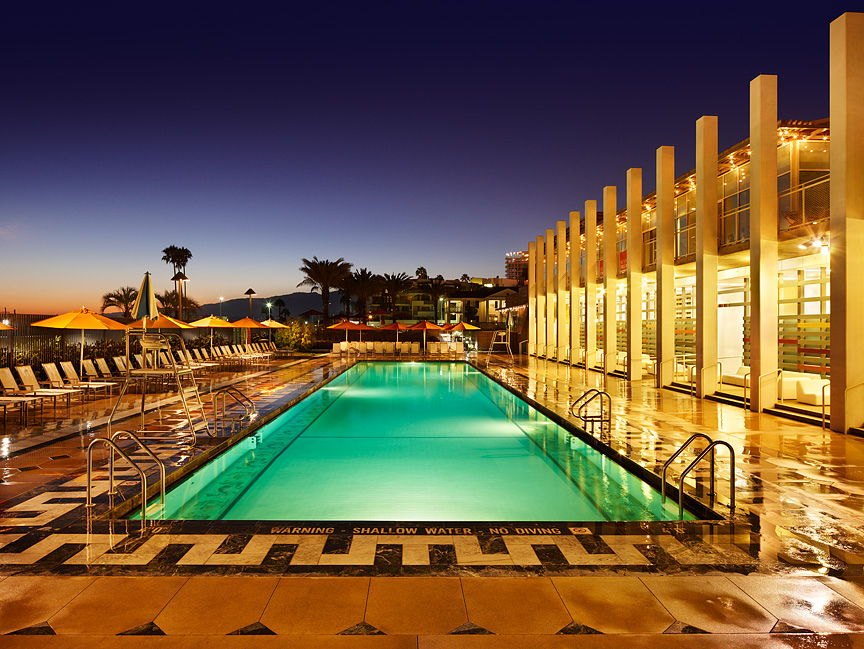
(784, 570)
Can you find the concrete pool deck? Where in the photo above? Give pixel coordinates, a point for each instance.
(787, 573)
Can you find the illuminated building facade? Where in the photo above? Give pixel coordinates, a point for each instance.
(741, 279)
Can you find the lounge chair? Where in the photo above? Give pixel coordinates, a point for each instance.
(457, 348)
(31, 385)
(415, 349)
(390, 348)
(336, 349)
(23, 404)
(120, 362)
(104, 370)
(75, 382)
(378, 348)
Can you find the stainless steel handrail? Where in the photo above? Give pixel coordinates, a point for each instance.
(680, 450)
(846, 392)
(719, 366)
(605, 416)
(710, 449)
(778, 372)
(581, 399)
(114, 446)
(239, 397)
(827, 385)
(146, 449)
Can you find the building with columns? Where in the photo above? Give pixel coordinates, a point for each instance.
(734, 281)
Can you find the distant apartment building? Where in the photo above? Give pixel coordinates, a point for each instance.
(516, 265)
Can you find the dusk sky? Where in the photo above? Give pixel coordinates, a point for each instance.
(393, 134)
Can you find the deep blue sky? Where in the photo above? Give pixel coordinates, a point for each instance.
(393, 134)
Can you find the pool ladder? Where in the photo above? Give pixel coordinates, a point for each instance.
(221, 414)
(709, 450)
(602, 416)
(115, 447)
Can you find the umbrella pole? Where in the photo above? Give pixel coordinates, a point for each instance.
(81, 360)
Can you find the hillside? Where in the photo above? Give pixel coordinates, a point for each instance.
(296, 303)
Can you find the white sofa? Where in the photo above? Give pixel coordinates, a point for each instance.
(738, 377)
(788, 384)
(810, 391)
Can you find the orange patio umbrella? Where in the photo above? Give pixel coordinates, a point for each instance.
(397, 327)
(250, 324)
(347, 325)
(4, 327)
(463, 326)
(424, 326)
(161, 321)
(82, 319)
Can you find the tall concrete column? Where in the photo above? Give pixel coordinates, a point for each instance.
(562, 316)
(551, 295)
(706, 255)
(576, 317)
(532, 299)
(634, 274)
(540, 252)
(590, 284)
(665, 265)
(847, 221)
(763, 241)
(610, 275)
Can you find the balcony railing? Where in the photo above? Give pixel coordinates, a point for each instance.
(805, 204)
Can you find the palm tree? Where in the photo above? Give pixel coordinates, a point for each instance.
(322, 275)
(436, 288)
(363, 284)
(421, 273)
(176, 257)
(393, 286)
(123, 298)
(168, 303)
(282, 312)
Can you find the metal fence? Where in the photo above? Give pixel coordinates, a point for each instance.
(27, 345)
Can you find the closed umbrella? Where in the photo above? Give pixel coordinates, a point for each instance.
(145, 303)
(82, 319)
(424, 326)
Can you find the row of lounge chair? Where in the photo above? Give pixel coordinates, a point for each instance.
(454, 349)
(98, 377)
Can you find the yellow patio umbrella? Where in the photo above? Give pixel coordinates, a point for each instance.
(4, 327)
(82, 319)
(273, 324)
(212, 322)
(425, 326)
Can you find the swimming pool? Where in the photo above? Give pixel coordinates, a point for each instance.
(414, 442)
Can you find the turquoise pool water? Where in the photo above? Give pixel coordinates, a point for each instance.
(414, 442)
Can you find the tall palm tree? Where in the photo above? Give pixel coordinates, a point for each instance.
(322, 275)
(393, 286)
(168, 303)
(421, 273)
(176, 257)
(123, 298)
(436, 288)
(363, 284)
